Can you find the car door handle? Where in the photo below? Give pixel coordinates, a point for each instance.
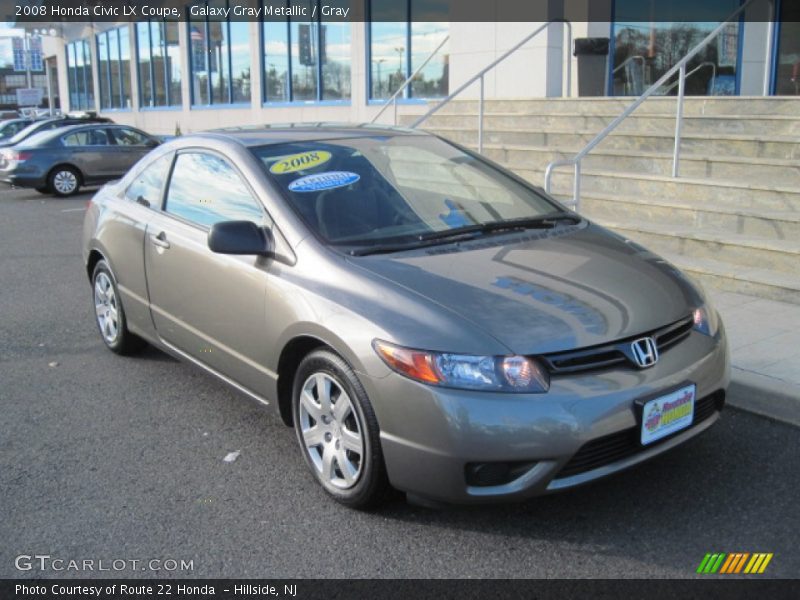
(160, 240)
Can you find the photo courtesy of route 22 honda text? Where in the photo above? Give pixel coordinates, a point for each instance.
(424, 319)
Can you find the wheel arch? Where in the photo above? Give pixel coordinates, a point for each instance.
(95, 256)
(292, 354)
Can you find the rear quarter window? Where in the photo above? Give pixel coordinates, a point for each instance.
(148, 185)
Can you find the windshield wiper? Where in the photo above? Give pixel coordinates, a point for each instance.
(540, 222)
(431, 239)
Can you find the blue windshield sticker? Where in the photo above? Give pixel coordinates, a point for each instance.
(323, 181)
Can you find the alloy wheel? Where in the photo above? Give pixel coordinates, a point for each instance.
(331, 431)
(105, 305)
(65, 182)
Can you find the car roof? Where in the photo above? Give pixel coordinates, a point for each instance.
(265, 135)
(51, 134)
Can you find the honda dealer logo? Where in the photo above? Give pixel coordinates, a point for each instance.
(645, 353)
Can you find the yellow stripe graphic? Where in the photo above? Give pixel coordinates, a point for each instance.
(758, 562)
(765, 563)
(751, 564)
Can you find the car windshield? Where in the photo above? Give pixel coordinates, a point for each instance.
(23, 133)
(394, 188)
(10, 128)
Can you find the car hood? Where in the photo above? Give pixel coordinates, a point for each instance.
(546, 291)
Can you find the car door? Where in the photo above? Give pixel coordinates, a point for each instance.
(128, 146)
(209, 306)
(122, 235)
(88, 149)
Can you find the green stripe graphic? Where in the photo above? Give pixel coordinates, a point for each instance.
(718, 564)
(703, 563)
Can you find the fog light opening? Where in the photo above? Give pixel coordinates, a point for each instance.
(495, 473)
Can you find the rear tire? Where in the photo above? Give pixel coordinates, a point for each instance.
(338, 432)
(64, 181)
(109, 314)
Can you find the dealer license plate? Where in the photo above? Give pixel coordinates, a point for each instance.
(667, 414)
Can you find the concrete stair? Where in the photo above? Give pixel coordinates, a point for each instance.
(732, 217)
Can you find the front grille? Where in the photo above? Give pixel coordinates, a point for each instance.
(608, 355)
(618, 446)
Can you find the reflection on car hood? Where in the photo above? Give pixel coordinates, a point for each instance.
(546, 291)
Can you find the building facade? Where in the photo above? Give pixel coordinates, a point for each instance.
(200, 73)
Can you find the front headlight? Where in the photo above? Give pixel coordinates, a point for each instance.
(466, 371)
(706, 320)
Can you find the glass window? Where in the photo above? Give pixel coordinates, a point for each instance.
(646, 45)
(240, 61)
(125, 66)
(102, 68)
(143, 51)
(304, 52)
(220, 58)
(159, 63)
(87, 137)
(335, 58)
(79, 75)
(276, 61)
(316, 53)
(205, 189)
(128, 137)
(787, 69)
(113, 75)
(149, 183)
(367, 190)
(402, 36)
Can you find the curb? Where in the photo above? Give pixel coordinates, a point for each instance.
(765, 396)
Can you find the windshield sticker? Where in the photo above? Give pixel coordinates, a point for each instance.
(299, 162)
(323, 181)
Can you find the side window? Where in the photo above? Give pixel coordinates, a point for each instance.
(149, 183)
(128, 137)
(87, 137)
(205, 189)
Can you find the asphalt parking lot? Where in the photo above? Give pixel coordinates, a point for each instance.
(103, 457)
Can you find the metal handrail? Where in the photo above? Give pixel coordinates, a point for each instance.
(407, 82)
(680, 67)
(627, 61)
(707, 63)
(481, 74)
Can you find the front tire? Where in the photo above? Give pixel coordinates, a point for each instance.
(64, 181)
(109, 314)
(338, 432)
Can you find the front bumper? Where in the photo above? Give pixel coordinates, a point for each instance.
(430, 435)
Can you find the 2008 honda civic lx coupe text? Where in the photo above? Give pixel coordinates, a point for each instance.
(425, 320)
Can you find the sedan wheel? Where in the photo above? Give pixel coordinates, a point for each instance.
(109, 314)
(105, 306)
(64, 181)
(331, 431)
(337, 431)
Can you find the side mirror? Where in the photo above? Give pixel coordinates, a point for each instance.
(240, 237)
(152, 143)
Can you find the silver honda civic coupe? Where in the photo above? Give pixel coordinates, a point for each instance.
(425, 320)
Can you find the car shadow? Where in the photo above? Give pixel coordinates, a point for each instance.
(152, 354)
